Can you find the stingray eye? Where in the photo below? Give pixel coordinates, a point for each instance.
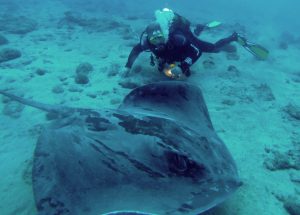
(181, 165)
(178, 164)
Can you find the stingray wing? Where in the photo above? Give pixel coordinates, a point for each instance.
(157, 154)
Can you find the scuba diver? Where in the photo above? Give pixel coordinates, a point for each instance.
(172, 42)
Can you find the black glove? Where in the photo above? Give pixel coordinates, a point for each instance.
(198, 29)
(152, 63)
(234, 36)
(185, 68)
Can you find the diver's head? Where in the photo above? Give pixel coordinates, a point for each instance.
(158, 32)
(164, 18)
(155, 35)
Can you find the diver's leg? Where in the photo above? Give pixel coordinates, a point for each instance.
(226, 41)
(198, 29)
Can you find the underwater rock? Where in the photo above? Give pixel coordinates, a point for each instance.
(124, 56)
(92, 95)
(296, 77)
(58, 89)
(113, 70)
(229, 48)
(105, 92)
(293, 111)
(104, 55)
(232, 72)
(287, 37)
(137, 69)
(228, 102)
(27, 62)
(127, 33)
(28, 77)
(115, 101)
(128, 37)
(75, 18)
(209, 63)
(17, 25)
(82, 72)
(232, 56)
(63, 78)
(264, 92)
(74, 98)
(291, 203)
(84, 68)
(279, 160)
(132, 18)
(82, 79)
(41, 72)
(232, 69)
(13, 109)
(3, 40)
(27, 172)
(283, 45)
(237, 27)
(10, 80)
(51, 116)
(9, 54)
(295, 177)
(243, 94)
(74, 88)
(36, 130)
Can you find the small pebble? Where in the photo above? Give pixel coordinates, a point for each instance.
(74, 88)
(41, 72)
(115, 101)
(92, 95)
(13, 109)
(58, 89)
(81, 79)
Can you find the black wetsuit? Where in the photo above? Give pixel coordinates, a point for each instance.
(182, 46)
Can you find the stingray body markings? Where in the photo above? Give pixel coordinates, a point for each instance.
(157, 153)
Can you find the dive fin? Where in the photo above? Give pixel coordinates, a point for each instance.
(200, 27)
(258, 51)
(213, 24)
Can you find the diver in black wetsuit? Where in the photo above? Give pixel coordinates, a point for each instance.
(179, 45)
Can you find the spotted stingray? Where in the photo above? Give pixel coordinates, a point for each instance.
(157, 153)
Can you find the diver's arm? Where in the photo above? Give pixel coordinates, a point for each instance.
(193, 54)
(198, 29)
(135, 52)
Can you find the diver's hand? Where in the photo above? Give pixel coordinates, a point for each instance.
(185, 68)
(234, 36)
(125, 72)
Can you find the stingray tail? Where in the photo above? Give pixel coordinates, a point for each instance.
(38, 105)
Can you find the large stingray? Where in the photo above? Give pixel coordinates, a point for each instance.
(157, 154)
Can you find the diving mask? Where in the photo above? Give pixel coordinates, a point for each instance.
(157, 38)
